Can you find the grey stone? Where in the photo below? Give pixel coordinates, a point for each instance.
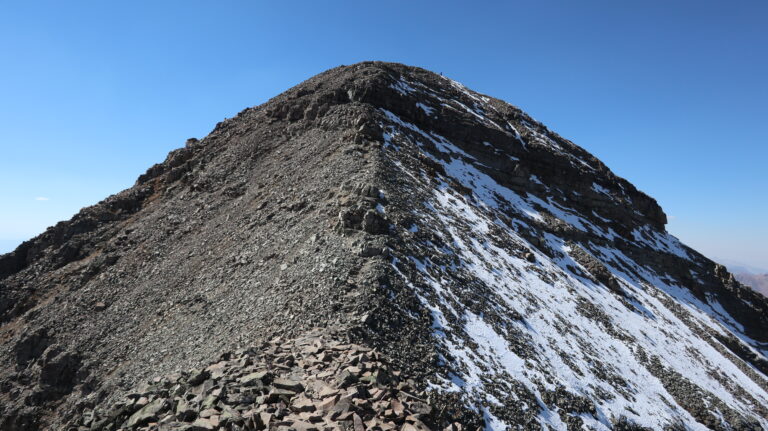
(148, 413)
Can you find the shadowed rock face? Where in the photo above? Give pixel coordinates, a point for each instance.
(482, 254)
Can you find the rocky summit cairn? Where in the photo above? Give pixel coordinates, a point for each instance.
(381, 248)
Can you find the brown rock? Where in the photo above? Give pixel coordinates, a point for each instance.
(288, 385)
(328, 403)
(255, 379)
(328, 391)
(346, 378)
(302, 404)
(208, 413)
(205, 424)
(265, 419)
(311, 417)
(419, 407)
(397, 407)
(276, 395)
(338, 412)
(357, 422)
(304, 426)
(421, 426)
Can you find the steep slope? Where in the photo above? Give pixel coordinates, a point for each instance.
(555, 292)
(228, 241)
(483, 254)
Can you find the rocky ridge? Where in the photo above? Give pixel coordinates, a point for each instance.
(483, 255)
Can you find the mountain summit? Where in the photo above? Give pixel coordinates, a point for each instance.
(377, 215)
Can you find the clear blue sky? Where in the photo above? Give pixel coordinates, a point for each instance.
(670, 94)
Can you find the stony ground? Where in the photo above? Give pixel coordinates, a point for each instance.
(311, 383)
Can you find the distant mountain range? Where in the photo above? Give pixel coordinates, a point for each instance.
(752, 276)
(735, 266)
(759, 282)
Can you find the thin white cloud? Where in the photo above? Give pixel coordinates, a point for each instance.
(41, 198)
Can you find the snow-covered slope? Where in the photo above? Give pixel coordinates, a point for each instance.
(559, 302)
